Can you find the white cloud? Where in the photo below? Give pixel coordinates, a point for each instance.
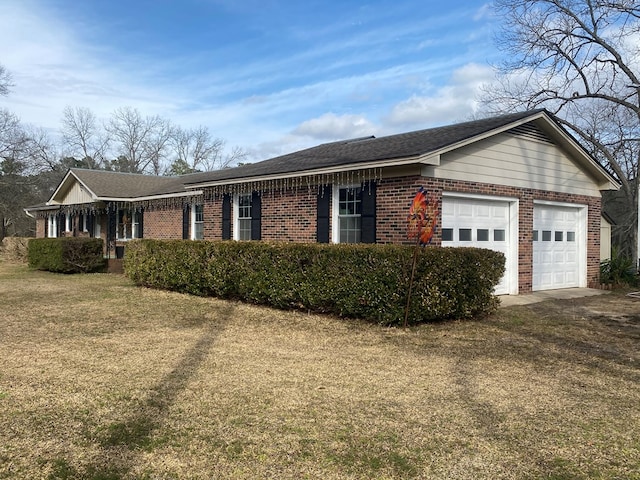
(269, 104)
(330, 126)
(53, 68)
(454, 101)
(484, 12)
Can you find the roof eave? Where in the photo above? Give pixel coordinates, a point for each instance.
(604, 179)
(426, 159)
(190, 193)
(39, 208)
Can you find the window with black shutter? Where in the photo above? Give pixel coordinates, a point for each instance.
(186, 219)
(323, 214)
(226, 217)
(368, 219)
(256, 216)
(355, 214)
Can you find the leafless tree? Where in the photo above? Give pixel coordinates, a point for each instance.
(83, 136)
(580, 59)
(196, 148)
(41, 151)
(5, 81)
(237, 155)
(12, 137)
(141, 140)
(156, 144)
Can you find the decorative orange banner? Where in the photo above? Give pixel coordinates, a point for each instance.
(423, 214)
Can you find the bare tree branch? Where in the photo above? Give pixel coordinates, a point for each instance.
(580, 59)
(83, 137)
(5, 81)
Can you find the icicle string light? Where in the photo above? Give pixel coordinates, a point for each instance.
(280, 186)
(314, 184)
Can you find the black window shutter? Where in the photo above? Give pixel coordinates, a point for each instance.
(186, 217)
(60, 224)
(90, 219)
(256, 216)
(226, 217)
(112, 225)
(141, 223)
(368, 218)
(322, 222)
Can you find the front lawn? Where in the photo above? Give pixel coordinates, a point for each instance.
(103, 380)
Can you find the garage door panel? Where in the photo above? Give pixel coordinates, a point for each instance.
(465, 210)
(502, 213)
(555, 249)
(483, 211)
(478, 223)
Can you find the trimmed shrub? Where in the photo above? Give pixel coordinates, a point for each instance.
(359, 281)
(66, 254)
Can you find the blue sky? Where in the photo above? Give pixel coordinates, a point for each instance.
(271, 76)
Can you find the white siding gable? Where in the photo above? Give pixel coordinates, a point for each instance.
(75, 195)
(516, 161)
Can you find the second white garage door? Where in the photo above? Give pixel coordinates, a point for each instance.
(558, 243)
(473, 222)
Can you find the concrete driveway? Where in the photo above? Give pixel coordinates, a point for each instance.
(535, 297)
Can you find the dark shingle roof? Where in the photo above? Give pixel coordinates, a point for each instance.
(127, 185)
(362, 150)
(107, 184)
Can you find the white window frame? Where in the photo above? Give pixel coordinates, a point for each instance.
(237, 218)
(97, 233)
(135, 225)
(68, 224)
(335, 212)
(52, 226)
(194, 221)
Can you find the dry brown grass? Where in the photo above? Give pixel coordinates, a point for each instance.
(103, 380)
(14, 249)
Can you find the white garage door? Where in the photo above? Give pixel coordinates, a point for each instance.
(479, 223)
(556, 247)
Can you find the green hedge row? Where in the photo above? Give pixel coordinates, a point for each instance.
(363, 281)
(66, 254)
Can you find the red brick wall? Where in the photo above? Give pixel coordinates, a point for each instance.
(41, 227)
(164, 224)
(212, 210)
(291, 216)
(393, 198)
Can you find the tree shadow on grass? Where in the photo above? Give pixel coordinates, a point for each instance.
(492, 425)
(604, 345)
(122, 441)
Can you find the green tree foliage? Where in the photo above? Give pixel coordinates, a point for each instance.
(179, 167)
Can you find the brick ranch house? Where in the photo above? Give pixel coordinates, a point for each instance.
(516, 183)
